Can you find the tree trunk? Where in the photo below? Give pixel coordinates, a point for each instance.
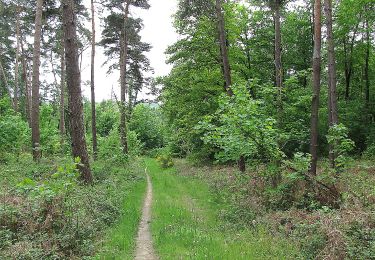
(278, 64)
(5, 81)
(73, 77)
(332, 92)
(16, 67)
(223, 48)
(123, 59)
(347, 72)
(27, 84)
(35, 82)
(316, 87)
(62, 94)
(242, 164)
(93, 110)
(367, 79)
(349, 60)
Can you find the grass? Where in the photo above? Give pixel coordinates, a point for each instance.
(120, 240)
(186, 225)
(102, 218)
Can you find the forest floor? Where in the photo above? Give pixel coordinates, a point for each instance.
(182, 212)
(186, 223)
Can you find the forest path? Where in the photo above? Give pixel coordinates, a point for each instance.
(145, 249)
(188, 222)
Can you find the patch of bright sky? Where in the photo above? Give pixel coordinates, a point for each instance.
(158, 31)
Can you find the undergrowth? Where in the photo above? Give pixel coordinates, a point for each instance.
(45, 213)
(248, 200)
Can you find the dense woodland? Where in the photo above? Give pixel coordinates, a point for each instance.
(268, 113)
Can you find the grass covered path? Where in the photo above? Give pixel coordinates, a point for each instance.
(185, 224)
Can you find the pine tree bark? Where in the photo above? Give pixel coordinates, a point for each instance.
(316, 87)
(332, 92)
(27, 84)
(223, 47)
(123, 60)
(35, 82)
(16, 67)
(73, 79)
(92, 84)
(62, 93)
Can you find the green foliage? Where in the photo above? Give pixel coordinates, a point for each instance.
(107, 116)
(109, 147)
(50, 208)
(311, 238)
(164, 158)
(135, 144)
(240, 128)
(342, 145)
(14, 135)
(49, 132)
(61, 183)
(149, 125)
(361, 241)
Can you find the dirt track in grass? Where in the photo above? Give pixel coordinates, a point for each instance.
(145, 249)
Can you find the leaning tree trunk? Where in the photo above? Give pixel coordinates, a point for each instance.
(73, 79)
(332, 92)
(223, 48)
(35, 83)
(316, 87)
(93, 110)
(123, 59)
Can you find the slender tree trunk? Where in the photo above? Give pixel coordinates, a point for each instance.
(35, 82)
(123, 59)
(349, 60)
(93, 110)
(278, 64)
(62, 94)
(347, 72)
(27, 84)
(225, 63)
(223, 47)
(367, 78)
(316, 87)
(16, 67)
(332, 92)
(4, 76)
(73, 77)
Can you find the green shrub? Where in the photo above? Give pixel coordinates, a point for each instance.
(149, 125)
(165, 160)
(241, 128)
(50, 139)
(5, 238)
(338, 138)
(14, 135)
(361, 242)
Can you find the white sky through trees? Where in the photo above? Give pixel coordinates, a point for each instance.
(158, 31)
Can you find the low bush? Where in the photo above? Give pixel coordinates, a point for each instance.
(50, 215)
